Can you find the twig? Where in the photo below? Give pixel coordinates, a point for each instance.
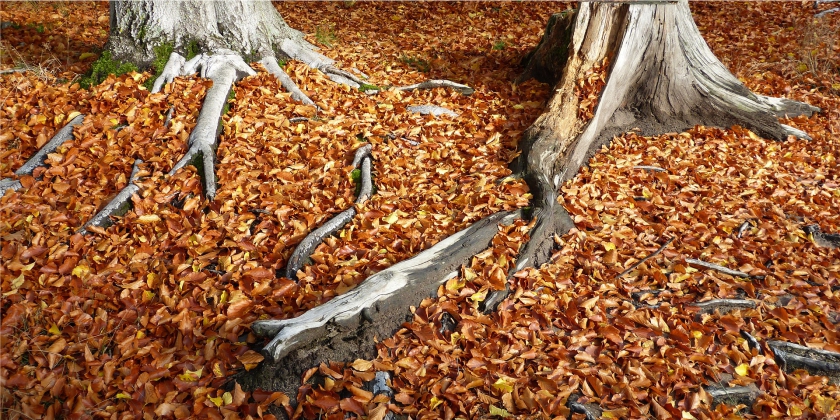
(722, 269)
(640, 262)
(649, 168)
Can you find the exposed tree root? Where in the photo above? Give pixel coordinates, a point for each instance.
(823, 239)
(723, 306)
(345, 327)
(743, 228)
(223, 69)
(432, 110)
(752, 342)
(270, 64)
(432, 84)
(37, 160)
(305, 52)
(590, 410)
(642, 261)
(716, 267)
(118, 206)
(817, 362)
(733, 396)
(304, 249)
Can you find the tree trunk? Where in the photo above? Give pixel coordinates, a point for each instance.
(250, 28)
(661, 77)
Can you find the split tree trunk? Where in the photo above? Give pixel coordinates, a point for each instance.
(662, 77)
(250, 28)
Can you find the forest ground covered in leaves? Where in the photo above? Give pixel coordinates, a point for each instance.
(150, 316)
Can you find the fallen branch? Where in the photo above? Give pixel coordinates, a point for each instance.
(37, 160)
(649, 168)
(722, 269)
(642, 261)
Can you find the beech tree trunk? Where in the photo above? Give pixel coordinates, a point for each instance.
(661, 77)
(249, 28)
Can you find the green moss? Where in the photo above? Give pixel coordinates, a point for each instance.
(418, 64)
(325, 35)
(192, 49)
(104, 66)
(366, 87)
(162, 53)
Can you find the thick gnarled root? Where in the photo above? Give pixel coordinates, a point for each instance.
(377, 304)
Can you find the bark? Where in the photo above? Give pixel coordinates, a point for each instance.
(250, 28)
(348, 327)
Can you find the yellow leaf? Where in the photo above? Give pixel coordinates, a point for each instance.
(87, 55)
(54, 330)
(17, 282)
(362, 365)
(742, 369)
(697, 334)
(688, 416)
(148, 218)
(217, 400)
(455, 284)
(479, 296)
(391, 218)
(469, 274)
(217, 370)
(609, 246)
(227, 398)
(496, 411)
(81, 271)
(123, 396)
(436, 402)
(191, 375)
(503, 385)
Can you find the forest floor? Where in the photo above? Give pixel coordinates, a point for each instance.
(150, 316)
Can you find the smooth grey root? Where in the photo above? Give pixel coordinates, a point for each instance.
(37, 160)
(119, 205)
(223, 70)
(716, 267)
(432, 84)
(307, 246)
(270, 64)
(432, 110)
(382, 293)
